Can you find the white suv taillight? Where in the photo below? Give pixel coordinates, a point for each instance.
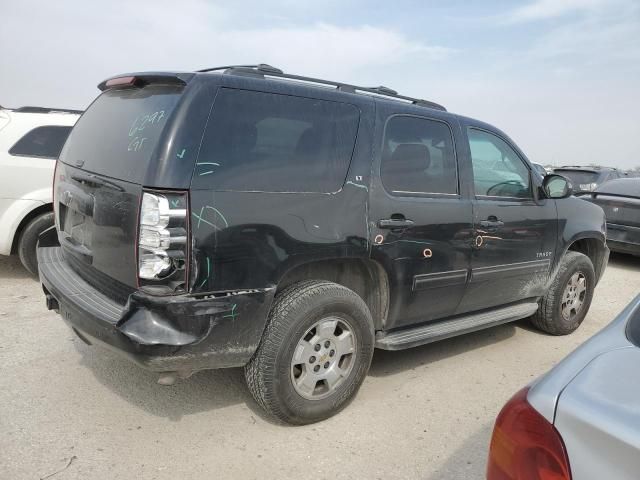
(162, 242)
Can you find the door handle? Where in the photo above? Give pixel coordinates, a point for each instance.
(491, 222)
(395, 223)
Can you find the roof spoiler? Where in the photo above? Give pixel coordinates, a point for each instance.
(138, 80)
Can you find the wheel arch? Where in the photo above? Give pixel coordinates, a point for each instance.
(364, 276)
(593, 247)
(39, 210)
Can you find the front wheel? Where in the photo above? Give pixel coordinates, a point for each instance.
(567, 301)
(314, 354)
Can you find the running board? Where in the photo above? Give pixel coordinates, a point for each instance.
(432, 332)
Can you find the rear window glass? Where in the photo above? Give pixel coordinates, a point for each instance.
(45, 142)
(118, 134)
(258, 141)
(579, 178)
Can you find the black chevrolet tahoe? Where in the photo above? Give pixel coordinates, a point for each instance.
(242, 216)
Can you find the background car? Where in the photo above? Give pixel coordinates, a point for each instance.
(540, 169)
(620, 200)
(579, 421)
(586, 179)
(30, 141)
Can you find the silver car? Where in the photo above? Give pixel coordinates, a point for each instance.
(582, 419)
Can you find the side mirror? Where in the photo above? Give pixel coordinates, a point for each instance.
(557, 186)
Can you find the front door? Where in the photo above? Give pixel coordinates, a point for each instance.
(515, 232)
(421, 223)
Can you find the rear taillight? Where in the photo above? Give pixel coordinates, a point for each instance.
(525, 446)
(162, 242)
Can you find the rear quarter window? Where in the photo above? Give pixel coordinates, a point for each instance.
(44, 142)
(258, 141)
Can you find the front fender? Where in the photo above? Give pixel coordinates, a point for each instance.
(579, 220)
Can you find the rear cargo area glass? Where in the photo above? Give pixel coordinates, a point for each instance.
(578, 177)
(119, 132)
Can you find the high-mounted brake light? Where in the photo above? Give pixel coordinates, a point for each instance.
(525, 446)
(162, 242)
(121, 82)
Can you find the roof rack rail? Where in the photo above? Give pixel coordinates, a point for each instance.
(29, 109)
(262, 69)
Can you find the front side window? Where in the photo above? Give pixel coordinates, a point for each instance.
(44, 142)
(258, 141)
(418, 157)
(497, 170)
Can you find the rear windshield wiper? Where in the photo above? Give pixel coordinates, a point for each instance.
(95, 181)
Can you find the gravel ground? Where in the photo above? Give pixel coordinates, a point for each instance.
(422, 413)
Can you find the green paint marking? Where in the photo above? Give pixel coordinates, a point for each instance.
(206, 173)
(181, 154)
(206, 279)
(201, 219)
(226, 224)
(174, 203)
(358, 185)
(233, 313)
(208, 163)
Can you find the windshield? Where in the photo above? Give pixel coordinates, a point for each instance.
(119, 132)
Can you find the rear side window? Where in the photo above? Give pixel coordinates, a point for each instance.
(257, 141)
(44, 142)
(119, 132)
(418, 157)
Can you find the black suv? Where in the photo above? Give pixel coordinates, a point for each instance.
(245, 217)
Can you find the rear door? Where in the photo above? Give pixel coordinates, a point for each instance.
(515, 233)
(420, 217)
(100, 176)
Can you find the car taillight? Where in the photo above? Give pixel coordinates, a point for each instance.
(588, 187)
(162, 242)
(525, 446)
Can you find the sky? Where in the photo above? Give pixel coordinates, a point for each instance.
(560, 77)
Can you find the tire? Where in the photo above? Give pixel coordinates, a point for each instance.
(549, 317)
(271, 375)
(28, 241)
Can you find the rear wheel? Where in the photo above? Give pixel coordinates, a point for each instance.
(314, 354)
(567, 301)
(28, 241)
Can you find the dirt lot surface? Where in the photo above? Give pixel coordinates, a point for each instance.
(422, 413)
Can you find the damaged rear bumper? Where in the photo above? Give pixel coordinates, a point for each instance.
(164, 334)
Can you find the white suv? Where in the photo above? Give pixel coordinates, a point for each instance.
(30, 141)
